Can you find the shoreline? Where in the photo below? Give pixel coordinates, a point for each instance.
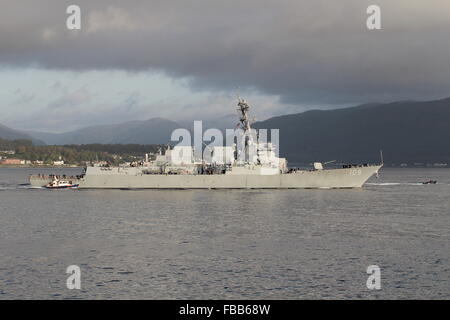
(26, 166)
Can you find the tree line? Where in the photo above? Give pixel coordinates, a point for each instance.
(77, 154)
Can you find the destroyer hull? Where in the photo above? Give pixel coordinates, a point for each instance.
(324, 179)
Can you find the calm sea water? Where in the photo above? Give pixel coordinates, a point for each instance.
(216, 244)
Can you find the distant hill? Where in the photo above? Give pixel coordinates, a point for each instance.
(152, 131)
(407, 131)
(228, 121)
(12, 134)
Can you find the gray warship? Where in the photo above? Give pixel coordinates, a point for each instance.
(225, 170)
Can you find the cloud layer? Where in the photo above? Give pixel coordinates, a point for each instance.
(309, 51)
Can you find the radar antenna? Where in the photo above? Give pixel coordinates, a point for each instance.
(245, 125)
(244, 115)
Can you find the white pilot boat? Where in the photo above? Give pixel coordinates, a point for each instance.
(61, 184)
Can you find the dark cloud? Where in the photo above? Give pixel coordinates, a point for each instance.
(311, 51)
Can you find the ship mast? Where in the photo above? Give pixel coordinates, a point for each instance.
(244, 118)
(244, 124)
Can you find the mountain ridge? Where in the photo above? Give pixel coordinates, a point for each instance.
(414, 130)
(418, 131)
(150, 131)
(13, 134)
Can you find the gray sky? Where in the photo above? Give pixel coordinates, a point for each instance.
(179, 59)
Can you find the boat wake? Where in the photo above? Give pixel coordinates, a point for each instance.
(8, 187)
(28, 187)
(395, 184)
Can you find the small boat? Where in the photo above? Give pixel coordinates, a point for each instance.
(430, 182)
(61, 184)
